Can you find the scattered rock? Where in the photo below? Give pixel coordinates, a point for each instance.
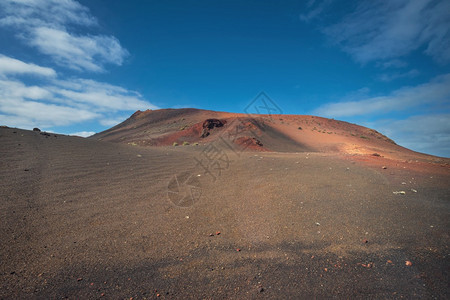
(408, 263)
(217, 232)
(209, 124)
(79, 279)
(257, 142)
(369, 265)
(413, 190)
(376, 154)
(365, 241)
(261, 289)
(399, 193)
(36, 129)
(238, 250)
(384, 167)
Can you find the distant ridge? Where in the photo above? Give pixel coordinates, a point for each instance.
(274, 133)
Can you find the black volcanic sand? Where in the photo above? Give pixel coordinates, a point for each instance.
(82, 219)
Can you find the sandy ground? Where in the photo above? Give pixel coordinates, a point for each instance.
(83, 219)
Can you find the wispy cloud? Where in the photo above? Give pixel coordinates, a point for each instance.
(83, 133)
(112, 122)
(53, 28)
(78, 52)
(103, 96)
(389, 35)
(385, 30)
(60, 102)
(314, 9)
(24, 106)
(46, 25)
(11, 66)
(45, 12)
(394, 63)
(423, 133)
(386, 77)
(433, 93)
(422, 121)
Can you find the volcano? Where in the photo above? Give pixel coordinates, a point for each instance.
(189, 204)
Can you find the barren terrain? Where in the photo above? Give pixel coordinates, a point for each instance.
(258, 209)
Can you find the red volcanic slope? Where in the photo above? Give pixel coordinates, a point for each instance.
(275, 133)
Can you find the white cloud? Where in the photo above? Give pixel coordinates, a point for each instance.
(45, 24)
(10, 66)
(42, 114)
(58, 102)
(83, 133)
(397, 75)
(44, 12)
(12, 89)
(384, 30)
(434, 92)
(386, 33)
(78, 52)
(314, 9)
(423, 133)
(100, 96)
(112, 122)
(53, 28)
(394, 63)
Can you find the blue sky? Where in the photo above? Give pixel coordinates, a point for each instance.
(81, 67)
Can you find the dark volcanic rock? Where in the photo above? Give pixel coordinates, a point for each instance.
(209, 124)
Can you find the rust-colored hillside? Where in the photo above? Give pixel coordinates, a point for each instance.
(273, 133)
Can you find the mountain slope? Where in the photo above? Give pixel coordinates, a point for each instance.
(85, 219)
(276, 133)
